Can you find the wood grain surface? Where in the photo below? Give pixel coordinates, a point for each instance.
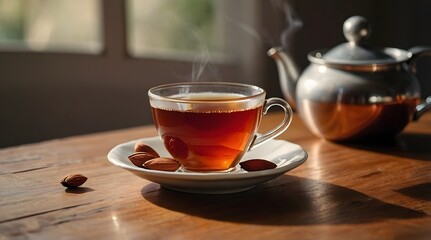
(374, 190)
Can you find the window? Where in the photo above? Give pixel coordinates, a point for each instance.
(175, 29)
(51, 25)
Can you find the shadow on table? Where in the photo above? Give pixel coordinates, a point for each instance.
(420, 191)
(79, 190)
(410, 145)
(287, 200)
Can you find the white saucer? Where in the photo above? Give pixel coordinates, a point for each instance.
(286, 155)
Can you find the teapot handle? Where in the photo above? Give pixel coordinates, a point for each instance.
(416, 54)
(422, 108)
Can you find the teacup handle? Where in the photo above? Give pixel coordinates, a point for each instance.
(288, 114)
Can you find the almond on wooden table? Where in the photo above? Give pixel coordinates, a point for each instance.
(73, 180)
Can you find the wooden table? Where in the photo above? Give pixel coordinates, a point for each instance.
(350, 191)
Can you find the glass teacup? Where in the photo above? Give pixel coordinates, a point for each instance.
(208, 127)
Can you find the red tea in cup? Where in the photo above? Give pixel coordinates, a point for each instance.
(205, 139)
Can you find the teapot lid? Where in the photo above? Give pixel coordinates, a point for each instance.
(357, 51)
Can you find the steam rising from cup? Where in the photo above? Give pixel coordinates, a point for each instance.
(293, 22)
(203, 67)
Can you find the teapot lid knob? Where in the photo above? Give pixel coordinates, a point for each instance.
(357, 51)
(356, 29)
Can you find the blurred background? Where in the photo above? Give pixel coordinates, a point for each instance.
(71, 67)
